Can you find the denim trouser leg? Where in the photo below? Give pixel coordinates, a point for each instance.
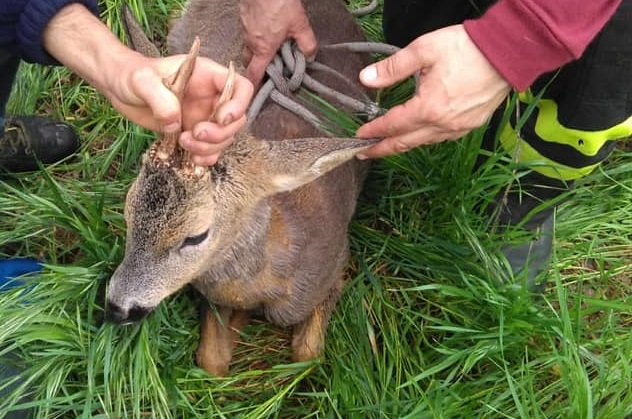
(9, 63)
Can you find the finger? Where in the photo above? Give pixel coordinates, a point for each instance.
(403, 143)
(209, 160)
(202, 96)
(202, 148)
(238, 104)
(228, 112)
(397, 121)
(214, 133)
(306, 42)
(164, 105)
(257, 68)
(397, 67)
(208, 79)
(386, 147)
(246, 56)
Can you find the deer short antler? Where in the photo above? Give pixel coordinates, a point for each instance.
(228, 91)
(165, 151)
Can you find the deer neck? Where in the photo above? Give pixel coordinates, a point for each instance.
(244, 255)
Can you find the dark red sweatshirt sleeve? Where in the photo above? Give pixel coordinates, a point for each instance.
(524, 39)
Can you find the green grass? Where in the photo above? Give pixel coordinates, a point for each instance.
(424, 329)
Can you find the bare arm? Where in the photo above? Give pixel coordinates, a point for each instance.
(133, 83)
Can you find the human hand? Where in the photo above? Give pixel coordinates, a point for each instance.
(139, 94)
(458, 91)
(267, 24)
(134, 83)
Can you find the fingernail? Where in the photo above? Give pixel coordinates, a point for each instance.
(361, 157)
(228, 119)
(369, 73)
(171, 128)
(202, 135)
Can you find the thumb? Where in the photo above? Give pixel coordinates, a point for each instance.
(397, 67)
(164, 105)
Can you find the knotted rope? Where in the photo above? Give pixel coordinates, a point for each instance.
(288, 72)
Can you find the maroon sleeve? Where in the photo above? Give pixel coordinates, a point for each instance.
(524, 39)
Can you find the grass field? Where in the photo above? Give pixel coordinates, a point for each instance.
(424, 329)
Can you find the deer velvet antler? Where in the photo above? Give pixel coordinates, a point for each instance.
(165, 152)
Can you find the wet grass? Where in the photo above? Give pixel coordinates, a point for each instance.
(425, 327)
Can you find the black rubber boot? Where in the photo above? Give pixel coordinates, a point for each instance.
(29, 139)
(531, 259)
(528, 204)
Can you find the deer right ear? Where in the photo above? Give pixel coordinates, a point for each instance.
(136, 37)
(293, 163)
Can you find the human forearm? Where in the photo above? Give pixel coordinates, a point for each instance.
(81, 42)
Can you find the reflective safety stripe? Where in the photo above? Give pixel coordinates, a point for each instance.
(549, 130)
(522, 152)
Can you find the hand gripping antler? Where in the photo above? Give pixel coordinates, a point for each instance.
(165, 152)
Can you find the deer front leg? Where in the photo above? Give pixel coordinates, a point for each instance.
(218, 336)
(308, 338)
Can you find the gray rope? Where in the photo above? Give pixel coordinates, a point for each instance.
(296, 63)
(365, 10)
(268, 90)
(297, 108)
(258, 101)
(367, 107)
(291, 61)
(370, 47)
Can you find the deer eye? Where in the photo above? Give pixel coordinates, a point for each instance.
(194, 240)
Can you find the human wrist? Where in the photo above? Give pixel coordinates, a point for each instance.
(500, 35)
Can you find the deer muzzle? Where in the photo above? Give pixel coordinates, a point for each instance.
(114, 313)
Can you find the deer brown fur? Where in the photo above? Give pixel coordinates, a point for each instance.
(265, 229)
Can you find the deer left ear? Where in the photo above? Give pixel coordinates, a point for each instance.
(135, 35)
(293, 163)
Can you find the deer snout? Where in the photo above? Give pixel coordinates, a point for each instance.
(116, 314)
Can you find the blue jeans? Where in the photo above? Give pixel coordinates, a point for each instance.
(9, 63)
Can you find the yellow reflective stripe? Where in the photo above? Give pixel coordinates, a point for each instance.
(548, 128)
(522, 152)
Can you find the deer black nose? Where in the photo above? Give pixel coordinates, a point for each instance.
(116, 314)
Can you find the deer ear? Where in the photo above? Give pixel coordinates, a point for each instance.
(293, 163)
(136, 38)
